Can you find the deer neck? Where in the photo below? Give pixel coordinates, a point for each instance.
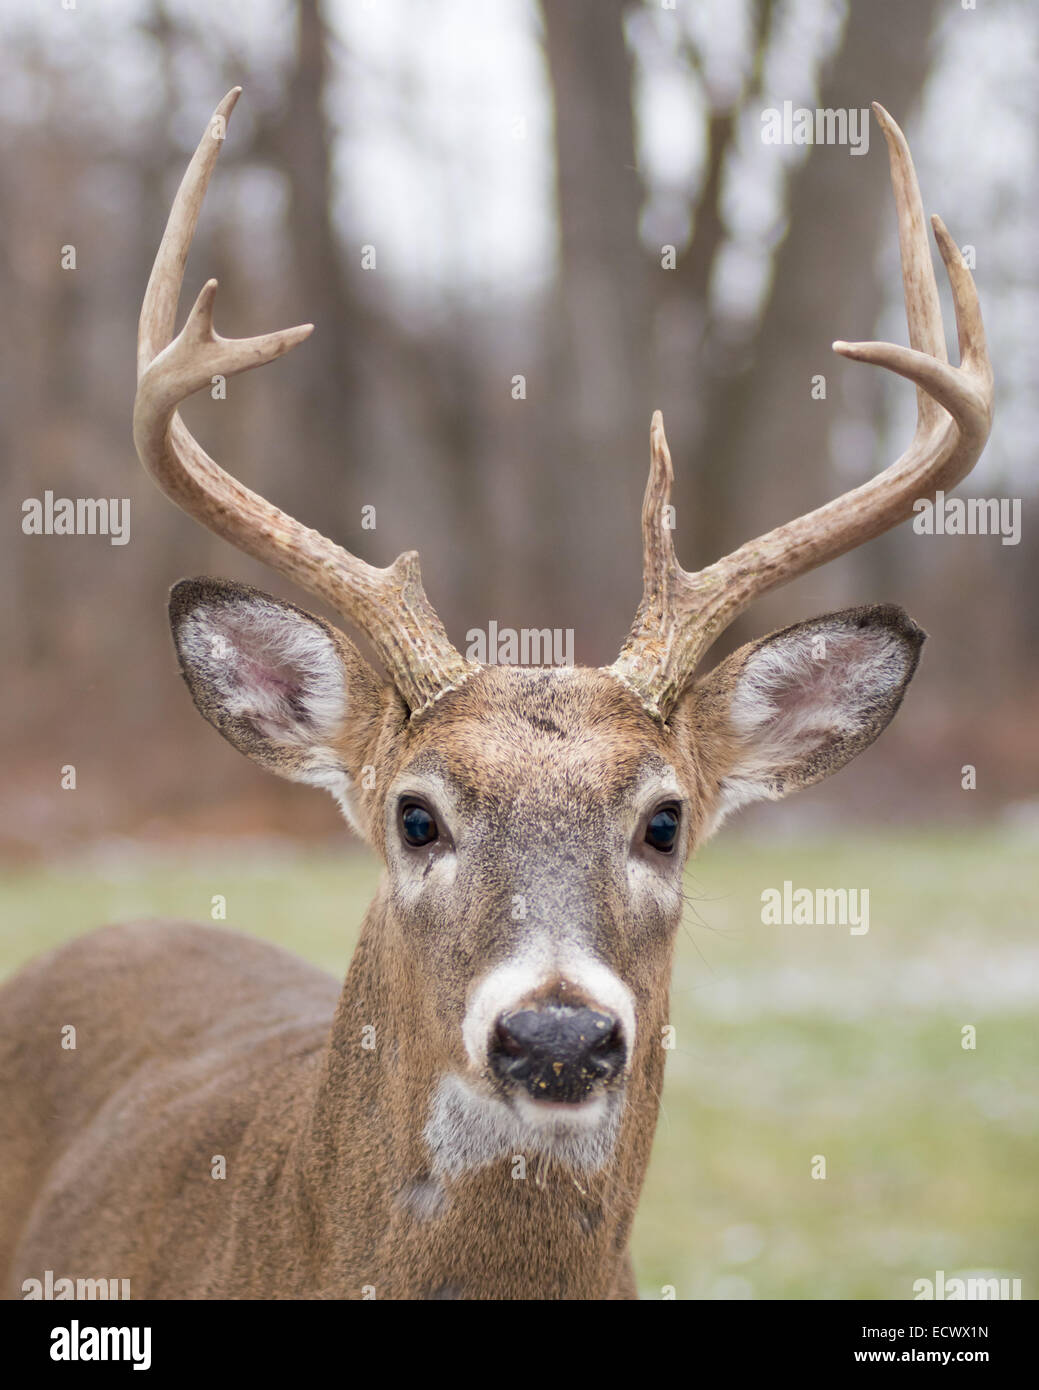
(387, 1224)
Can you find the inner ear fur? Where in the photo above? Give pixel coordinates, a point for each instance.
(309, 708)
(793, 707)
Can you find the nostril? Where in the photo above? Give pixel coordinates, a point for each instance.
(608, 1054)
(506, 1041)
(610, 1041)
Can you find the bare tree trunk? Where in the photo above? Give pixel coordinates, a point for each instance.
(599, 396)
(764, 454)
(329, 388)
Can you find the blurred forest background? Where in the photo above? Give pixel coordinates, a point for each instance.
(517, 168)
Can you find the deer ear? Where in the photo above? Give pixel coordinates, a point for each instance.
(786, 711)
(288, 690)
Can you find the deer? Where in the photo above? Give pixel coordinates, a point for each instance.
(469, 1115)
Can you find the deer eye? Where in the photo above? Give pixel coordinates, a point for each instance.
(662, 829)
(417, 824)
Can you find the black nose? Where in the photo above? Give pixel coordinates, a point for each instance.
(558, 1053)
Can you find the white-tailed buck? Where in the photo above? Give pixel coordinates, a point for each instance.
(470, 1115)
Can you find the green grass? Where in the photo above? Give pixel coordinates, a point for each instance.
(791, 1042)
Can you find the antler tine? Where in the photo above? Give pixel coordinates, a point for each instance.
(681, 614)
(919, 286)
(388, 605)
(159, 309)
(655, 631)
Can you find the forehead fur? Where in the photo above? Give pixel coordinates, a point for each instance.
(508, 722)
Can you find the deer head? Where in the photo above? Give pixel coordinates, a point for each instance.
(534, 823)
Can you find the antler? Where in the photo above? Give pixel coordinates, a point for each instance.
(388, 605)
(681, 614)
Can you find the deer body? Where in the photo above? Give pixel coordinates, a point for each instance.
(473, 1118)
(313, 1142)
(240, 1050)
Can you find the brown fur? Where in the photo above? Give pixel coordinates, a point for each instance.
(195, 1041)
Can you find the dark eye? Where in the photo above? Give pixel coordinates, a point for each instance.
(417, 823)
(662, 830)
